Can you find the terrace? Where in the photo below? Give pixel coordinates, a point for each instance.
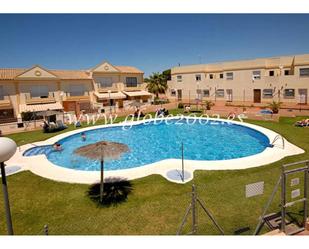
(155, 206)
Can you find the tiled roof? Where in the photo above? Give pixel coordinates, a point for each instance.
(71, 74)
(128, 69)
(11, 73)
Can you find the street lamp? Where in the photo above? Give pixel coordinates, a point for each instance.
(110, 103)
(8, 149)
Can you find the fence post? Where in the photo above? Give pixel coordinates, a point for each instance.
(194, 218)
(46, 229)
(283, 200)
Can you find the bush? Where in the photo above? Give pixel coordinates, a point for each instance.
(28, 116)
(180, 106)
(275, 106)
(158, 101)
(208, 104)
(116, 191)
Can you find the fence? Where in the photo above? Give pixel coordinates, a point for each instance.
(222, 202)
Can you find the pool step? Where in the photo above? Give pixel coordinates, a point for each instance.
(39, 150)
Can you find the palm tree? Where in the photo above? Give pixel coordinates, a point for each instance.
(156, 83)
(274, 106)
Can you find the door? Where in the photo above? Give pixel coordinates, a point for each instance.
(229, 93)
(179, 94)
(303, 96)
(257, 95)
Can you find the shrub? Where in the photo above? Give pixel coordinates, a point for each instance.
(116, 191)
(275, 106)
(180, 105)
(208, 104)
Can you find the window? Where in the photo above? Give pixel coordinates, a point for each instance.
(221, 75)
(211, 76)
(286, 72)
(173, 92)
(39, 91)
(256, 75)
(289, 93)
(1, 93)
(205, 93)
(271, 73)
(229, 76)
(304, 72)
(220, 93)
(179, 78)
(131, 82)
(104, 82)
(77, 90)
(267, 93)
(198, 77)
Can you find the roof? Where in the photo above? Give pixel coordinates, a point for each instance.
(128, 69)
(11, 73)
(271, 62)
(112, 95)
(40, 107)
(137, 93)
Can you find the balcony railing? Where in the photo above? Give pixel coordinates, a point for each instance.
(128, 87)
(76, 97)
(50, 98)
(113, 87)
(5, 102)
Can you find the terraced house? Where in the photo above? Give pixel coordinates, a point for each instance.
(262, 80)
(39, 89)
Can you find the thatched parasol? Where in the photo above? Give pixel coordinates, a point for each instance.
(100, 151)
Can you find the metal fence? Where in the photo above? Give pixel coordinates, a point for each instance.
(213, 203)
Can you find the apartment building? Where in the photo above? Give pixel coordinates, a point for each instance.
(262, 80)
(39, 89)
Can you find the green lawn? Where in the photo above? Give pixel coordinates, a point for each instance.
(155, 206)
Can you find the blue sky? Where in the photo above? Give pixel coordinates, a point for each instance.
(151, 42)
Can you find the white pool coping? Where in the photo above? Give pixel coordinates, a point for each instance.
(41, 166)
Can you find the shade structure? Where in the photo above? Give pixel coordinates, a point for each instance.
(102, 149)
(137, 93)
(40, 107)
(112, 95)
(48, 113)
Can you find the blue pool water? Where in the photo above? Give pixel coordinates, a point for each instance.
(151, 143)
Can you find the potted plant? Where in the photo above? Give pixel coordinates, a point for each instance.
(275, 106)
(208, 104)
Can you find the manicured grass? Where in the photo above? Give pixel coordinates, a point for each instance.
(155, 205)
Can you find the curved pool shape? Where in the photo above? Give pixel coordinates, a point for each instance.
(151, 143)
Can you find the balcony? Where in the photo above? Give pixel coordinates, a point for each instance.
(133, 87)
(5, 103)
(77, 96)
(50, 98)
(114, 87)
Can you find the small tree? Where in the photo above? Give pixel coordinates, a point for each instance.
(156, 84)
(275, 106)
(208, 104)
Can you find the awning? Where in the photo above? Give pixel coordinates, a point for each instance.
(112, 95)
(40, 107)
(137, 93)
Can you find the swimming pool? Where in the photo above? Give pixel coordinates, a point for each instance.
(150, 143)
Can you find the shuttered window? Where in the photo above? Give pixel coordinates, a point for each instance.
(39, 91)
(104, 82)
(1, 93)
(77, 90)
(131, 82)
